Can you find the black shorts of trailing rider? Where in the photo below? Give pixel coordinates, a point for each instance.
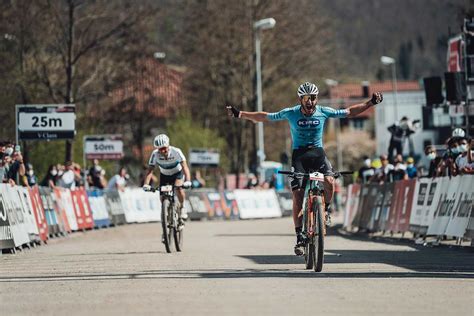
(308, 159)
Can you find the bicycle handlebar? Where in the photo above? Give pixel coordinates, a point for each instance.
(157, 189)
(336, 174)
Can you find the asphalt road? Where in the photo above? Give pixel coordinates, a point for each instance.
(238, 268)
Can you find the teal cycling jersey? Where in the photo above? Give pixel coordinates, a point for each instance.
(307, 130)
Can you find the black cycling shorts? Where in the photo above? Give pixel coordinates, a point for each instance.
(308, 159)
(170, 180)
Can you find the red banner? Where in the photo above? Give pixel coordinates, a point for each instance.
(455, 54)
(38, 211)
(405, 200)
(82, 209)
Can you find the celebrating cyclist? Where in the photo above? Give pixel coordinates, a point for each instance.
(173, 169)
(306, 121)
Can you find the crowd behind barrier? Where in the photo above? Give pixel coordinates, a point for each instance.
(32, 215)
(425, 207)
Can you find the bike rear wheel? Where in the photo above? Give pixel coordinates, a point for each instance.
(319, 234)
(165, 224)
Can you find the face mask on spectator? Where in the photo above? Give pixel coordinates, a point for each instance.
(31, 173)
(53, 172)
(410, 165)
(60, 173)
(431, 156)
(463, 148)
(367, 162)
(102, 172)
(9, 151)
(454, 150)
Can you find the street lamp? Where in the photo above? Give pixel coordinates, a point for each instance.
(391, 61)
(263, 24)
(333, 83)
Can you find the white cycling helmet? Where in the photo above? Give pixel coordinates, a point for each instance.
(307, 88)
(458, 132)
(161, 141)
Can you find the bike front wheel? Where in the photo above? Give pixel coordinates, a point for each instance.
(165, 224)
(178, 232)
(318, 209)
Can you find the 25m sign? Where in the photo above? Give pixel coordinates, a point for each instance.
(46, 121)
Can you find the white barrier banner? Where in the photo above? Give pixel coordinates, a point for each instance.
(444, 205)
(140, 206)
(15, 216)
(23, 199)
(462, 209)
(257, 204)
(420, 201)
(99, 208)
(432, 200)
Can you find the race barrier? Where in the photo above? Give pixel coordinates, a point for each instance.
(35, 214)
(433, 207)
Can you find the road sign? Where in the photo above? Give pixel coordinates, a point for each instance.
(104, 147)
(208, 157)
(46, 122)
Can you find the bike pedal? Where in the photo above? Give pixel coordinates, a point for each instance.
(298, 251)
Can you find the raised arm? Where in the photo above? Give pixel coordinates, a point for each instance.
(251, 116)
(356, 109)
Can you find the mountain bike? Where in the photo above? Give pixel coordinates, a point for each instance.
(314, 216)
(173, 229)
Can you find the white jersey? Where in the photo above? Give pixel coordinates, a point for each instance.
(168, 165)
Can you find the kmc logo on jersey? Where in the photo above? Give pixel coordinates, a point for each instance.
(308, 123)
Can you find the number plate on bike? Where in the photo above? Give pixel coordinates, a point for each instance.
(166, 188)
(316, 176)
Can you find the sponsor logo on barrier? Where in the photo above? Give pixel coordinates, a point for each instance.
(5, 233)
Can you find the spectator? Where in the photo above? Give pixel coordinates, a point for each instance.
(447, 165)
(96, 176)
(396, 140)
(16, 166)
(435, 160)
(411, 170)
(366, 172)
(409, 127)
(51, 177)
(198, 181)
(78, 175)
(381, 174)
(252, 181)
(464, 163)
(119, 181)
(31, 178)
(399, 170)
(68, 178)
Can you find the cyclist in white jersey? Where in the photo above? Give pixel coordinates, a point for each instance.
(173, 169)
(306, 120)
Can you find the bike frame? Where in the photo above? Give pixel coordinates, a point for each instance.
(314, 187)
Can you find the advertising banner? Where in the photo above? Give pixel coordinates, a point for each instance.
(352, 203)
(15, 216)
(286, 202)
(64, 199)
(49, 211)
(459, 220)
(419, 204)
(434, 191)
(38, 213)
(444, 206)
(6, 235)
(257, 204)
(115, 208)
(98, 208)
(232, 209)
(367, 212)
(21, 200)
(406, 194)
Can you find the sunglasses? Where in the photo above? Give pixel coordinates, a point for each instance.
(312, 97)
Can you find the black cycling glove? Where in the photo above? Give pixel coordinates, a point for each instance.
(376, 98)
(235, 112)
